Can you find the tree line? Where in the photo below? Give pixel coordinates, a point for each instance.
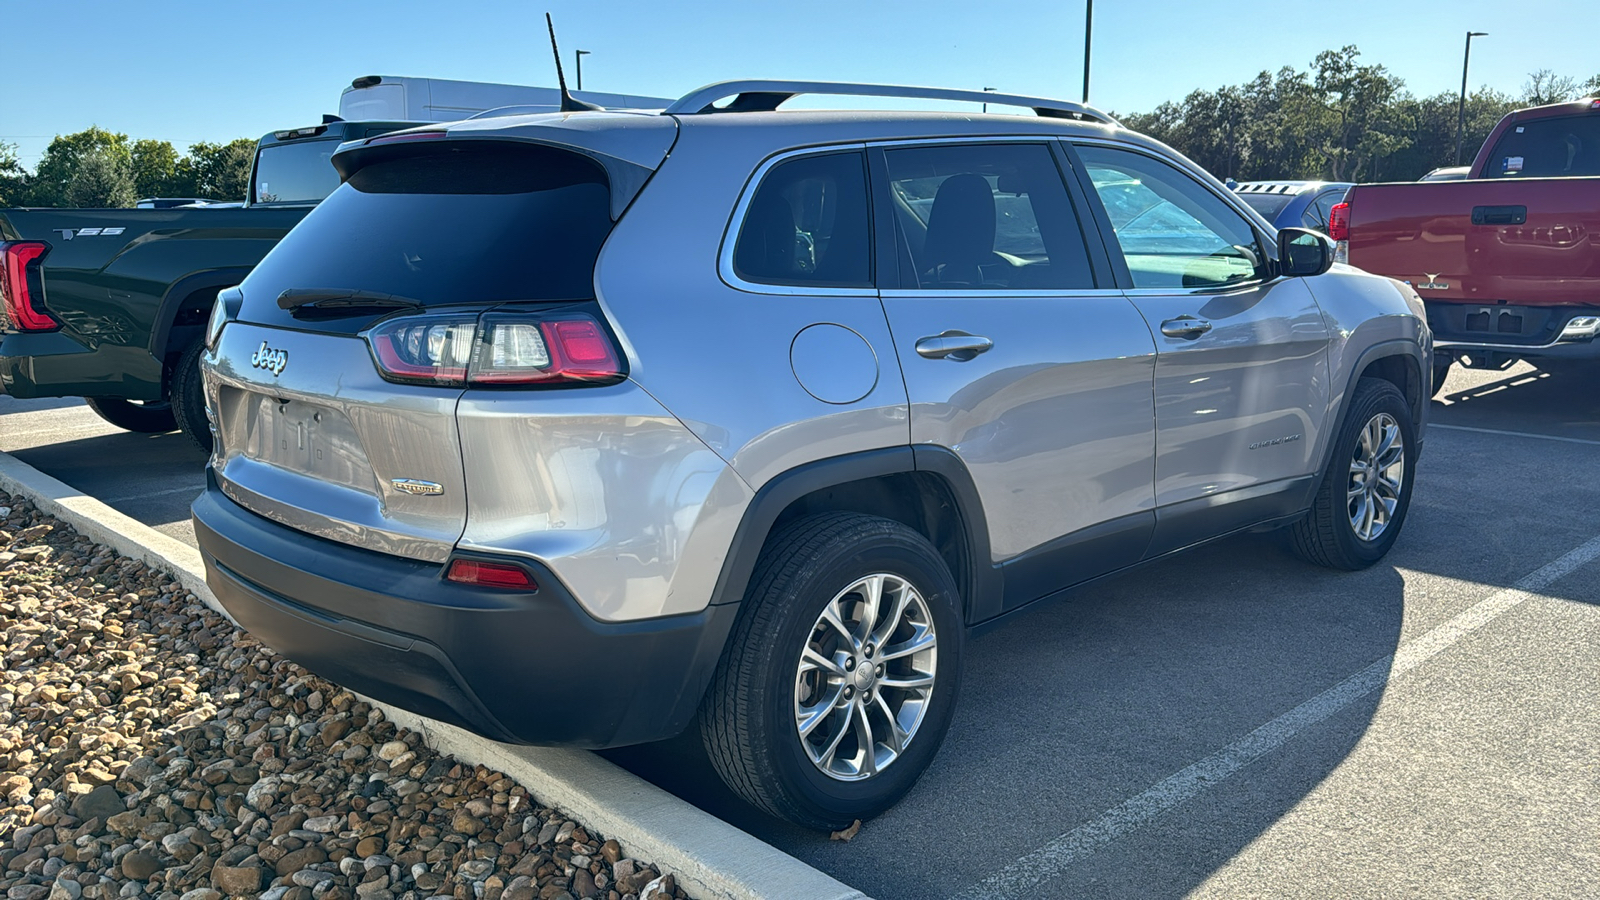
(99, 168)
(1339, 120)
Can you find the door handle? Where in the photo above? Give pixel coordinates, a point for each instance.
(956, 345)
(1185, 327)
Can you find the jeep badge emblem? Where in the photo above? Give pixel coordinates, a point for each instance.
(417, 487)
(267, 358)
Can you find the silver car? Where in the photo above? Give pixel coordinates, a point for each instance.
(587, 428)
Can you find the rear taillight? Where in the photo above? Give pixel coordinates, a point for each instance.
(487, 574)
(21, 305)
(498, 348)
(1339, 222)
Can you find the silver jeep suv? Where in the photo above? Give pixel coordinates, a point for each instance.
(583, 428)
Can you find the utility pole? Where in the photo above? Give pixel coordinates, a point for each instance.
(1088, 33)
(581, 54)
(1461, 111)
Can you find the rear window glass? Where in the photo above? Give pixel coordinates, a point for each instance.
(1564, 147)
(295, 173)
(446, 224)
(1269, 205)
(808, 224)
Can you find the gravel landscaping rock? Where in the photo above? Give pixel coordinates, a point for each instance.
(149, 749)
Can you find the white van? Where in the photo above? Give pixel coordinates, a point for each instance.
(404, 99)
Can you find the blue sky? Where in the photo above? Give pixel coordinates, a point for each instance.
(188, 71)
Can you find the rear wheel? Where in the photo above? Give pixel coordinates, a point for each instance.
(189, 399)
(840, 678)
(1366, 489)
(145, 417)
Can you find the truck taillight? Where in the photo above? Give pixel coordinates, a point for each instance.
(1339, 222)
(20, 302)
(496, 348)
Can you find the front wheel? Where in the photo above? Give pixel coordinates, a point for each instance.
(145, 417)
(1366, 489)
(842, 674)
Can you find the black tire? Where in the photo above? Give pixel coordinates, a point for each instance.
(1441, 371)
(189, 399)
(145, 418)
(748, 717)
(1327, 535)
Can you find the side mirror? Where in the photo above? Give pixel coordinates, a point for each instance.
(1302, 252)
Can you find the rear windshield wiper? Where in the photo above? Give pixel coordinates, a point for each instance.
(341, 300)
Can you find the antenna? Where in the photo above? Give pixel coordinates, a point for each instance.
(569, 103)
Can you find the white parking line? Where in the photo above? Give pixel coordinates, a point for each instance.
(194, 489)
(1027, 875)
(1521, 434)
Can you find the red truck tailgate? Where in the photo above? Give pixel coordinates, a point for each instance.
(1532, 242)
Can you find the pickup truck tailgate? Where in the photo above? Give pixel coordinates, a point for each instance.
(1531, 243)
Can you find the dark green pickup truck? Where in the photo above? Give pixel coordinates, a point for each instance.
(111, 304)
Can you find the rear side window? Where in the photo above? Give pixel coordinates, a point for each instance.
(472, 222)
(1563, 147)
(985, 217)
(808, 225)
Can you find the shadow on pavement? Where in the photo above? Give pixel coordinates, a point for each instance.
(150, 477)
(1069, 709)
(1559, 397)
(1075, 706)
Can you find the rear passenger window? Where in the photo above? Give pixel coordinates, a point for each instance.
(808, 225)
(985, 217)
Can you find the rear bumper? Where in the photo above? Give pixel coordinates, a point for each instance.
(1512, 331)
(529, 668)
(30, 364)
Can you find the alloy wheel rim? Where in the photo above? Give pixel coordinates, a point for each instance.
(1377, 477)
(865, 677)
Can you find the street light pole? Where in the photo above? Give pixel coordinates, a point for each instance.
(581, 54)
(1461, 111)
(1088, 32)
(986, 106)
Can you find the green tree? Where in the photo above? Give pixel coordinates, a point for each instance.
(1545, 86)
(103, 179)
(219, 171)
(109, 160)
(155, 170)
(13, 178)
(1590, 88)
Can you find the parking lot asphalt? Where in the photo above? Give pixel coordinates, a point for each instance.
(1228, 722)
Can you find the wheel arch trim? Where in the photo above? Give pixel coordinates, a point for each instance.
(782, 491)
(181, 290)
(1398, 347)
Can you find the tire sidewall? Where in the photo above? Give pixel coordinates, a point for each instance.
(833, 800)
(189, 399)
(1382, 399)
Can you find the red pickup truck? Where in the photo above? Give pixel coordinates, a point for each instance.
(1508, 261)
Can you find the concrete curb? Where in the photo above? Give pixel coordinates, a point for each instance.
(709, 858)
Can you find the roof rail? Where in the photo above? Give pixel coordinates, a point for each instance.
(765, 96)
